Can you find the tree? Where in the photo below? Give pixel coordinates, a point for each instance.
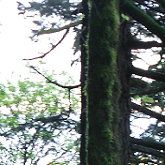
(144, 26)
(115, 84)
(103, 84)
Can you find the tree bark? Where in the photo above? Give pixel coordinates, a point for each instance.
(124, 60)
(83, 147)
(103, 89)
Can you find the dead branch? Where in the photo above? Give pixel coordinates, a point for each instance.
(53, 47)
(55, 82)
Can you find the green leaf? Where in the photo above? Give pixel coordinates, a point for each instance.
(12, 88)
(125, 17)
(147, 99)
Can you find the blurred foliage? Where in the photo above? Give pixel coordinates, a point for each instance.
(37, 120)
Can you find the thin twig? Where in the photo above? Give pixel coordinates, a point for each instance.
(54, 82)
(53, 47)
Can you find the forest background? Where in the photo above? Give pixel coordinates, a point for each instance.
(40, 113)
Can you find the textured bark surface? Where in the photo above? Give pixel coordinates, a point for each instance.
(124, 103)
(83, 148)
(103, 89)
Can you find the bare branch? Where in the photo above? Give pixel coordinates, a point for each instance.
(53, 47)
(151, 91)
(138, 148)
(54, 82)
(148, 112)
(147, 143)
(42, 31)
(147, 73)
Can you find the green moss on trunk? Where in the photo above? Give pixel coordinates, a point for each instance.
(103, 86)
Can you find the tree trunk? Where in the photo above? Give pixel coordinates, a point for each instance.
(83, 148)
(123, 61)
(103, 89)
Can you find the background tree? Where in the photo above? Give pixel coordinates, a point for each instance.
(146, 32)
